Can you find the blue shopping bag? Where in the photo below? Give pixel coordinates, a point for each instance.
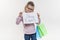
(37, 32)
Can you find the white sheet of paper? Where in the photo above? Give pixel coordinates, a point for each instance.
(29, 18)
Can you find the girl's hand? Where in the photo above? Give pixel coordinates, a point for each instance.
(38, 15)
(20, 14)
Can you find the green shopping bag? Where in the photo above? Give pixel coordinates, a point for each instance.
(42, 30)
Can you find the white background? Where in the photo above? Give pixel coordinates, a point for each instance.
(49, 12)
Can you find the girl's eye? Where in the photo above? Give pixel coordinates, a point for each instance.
(30, 8)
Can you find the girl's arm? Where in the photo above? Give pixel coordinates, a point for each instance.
(38, 18)
(19, 18)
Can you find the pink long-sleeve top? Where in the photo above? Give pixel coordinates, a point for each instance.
(28, 28)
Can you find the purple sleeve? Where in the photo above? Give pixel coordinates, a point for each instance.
(18, 20)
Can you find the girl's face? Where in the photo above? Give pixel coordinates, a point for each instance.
(29, 8)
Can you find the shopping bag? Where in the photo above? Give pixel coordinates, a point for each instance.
(41, 29)
(37, 32)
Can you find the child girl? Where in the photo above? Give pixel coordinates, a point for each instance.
(29, 29)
